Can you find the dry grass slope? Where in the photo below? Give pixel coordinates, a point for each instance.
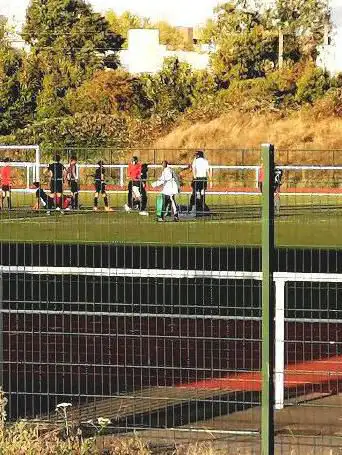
(237, 130)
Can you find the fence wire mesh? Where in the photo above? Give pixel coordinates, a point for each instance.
(156, 326)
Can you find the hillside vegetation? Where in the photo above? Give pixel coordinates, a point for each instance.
(236, 130)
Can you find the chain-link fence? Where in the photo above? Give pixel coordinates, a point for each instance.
(156, 326)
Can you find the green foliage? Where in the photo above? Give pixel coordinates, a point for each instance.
(88, 130)
(246, 49)
(207, 33)
(67, 90)
(312, 84)
(247, 40)
(274, 92)
(19, 85)
(329, 105)
(304, 20)
(171, 91)
(107, 92)
(170, 36)
(70, 43)
(69, 28)
(10, 62)
(120, 24)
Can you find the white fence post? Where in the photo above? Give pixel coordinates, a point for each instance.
(257, 170)
(121, 176)
(37, 167)
(279, 364)
(28, 168)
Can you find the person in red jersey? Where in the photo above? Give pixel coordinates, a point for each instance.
(260, 178)
(134, 177)
(6, 184)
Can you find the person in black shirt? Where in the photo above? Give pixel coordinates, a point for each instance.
(143, 183)
(57, 176)
(42, 199)
(100, 186)
(72, 177)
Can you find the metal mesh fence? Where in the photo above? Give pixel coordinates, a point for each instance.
(157, 326)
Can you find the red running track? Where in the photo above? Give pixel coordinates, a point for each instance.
(316, 372)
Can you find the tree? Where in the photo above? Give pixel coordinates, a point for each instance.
(120, 24)
(246, 47)
(247, 39)
(170, 92)
(70, 42)
(19, 85)
(312, 84)
(107, 92)
(10, 62)
(170, 36)
(303, 22)
(72, 29)
(207, 32)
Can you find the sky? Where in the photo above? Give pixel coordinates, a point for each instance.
(177, 12)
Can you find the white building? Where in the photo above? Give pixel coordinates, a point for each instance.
(145, 54)
(330, 55)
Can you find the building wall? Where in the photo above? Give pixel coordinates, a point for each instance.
(330, 56)
(145, 54)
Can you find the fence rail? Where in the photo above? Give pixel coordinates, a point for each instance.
(31, 176)
(280, 279)
(158, 325)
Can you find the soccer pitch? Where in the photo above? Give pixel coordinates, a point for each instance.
(304, 221)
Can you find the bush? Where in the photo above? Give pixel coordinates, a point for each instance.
(275, 91)
(312, 84)
(89, 131)
(172, 91)
(107, 92)
(329, 105)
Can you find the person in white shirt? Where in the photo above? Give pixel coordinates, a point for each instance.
(170, 189)
(201, 173)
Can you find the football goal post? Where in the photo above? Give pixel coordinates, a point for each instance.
(26, 160)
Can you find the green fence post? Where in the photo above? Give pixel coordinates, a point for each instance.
(1, 333)
(268, 303)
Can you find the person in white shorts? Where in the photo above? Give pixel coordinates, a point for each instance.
(170, 189)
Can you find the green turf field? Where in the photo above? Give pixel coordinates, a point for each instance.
(236, 220)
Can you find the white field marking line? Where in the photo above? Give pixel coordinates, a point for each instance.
(52, 217)
(13, 220)
(172, 273)
(200, 222)
(49, 219)
(31, 220)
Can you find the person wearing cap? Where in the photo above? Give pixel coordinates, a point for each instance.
(134, 180)
(100, 186)
(201, 173)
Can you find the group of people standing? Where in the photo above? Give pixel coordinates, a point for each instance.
(59, 174)
(170, 182)
(137, 175)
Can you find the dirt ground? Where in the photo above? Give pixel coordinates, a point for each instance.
(313, 426)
